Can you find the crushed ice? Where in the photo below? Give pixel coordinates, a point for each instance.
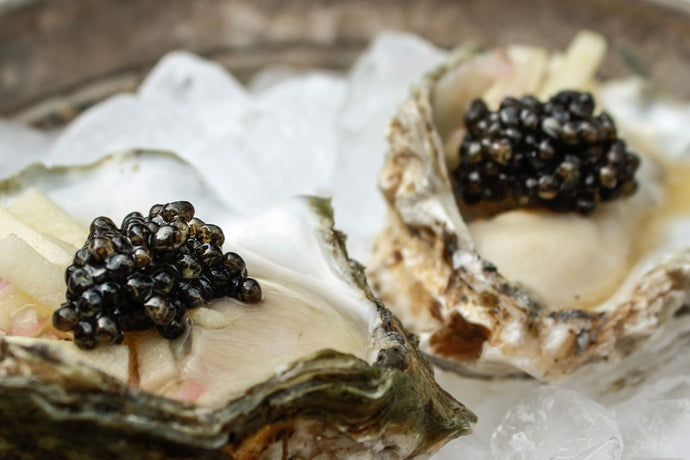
(318, 133)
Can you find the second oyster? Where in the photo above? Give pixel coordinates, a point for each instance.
(523, 291)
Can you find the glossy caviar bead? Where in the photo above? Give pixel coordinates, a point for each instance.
(107, 331)
(234, 264)
(81, 257)
(181, 225)
(142, 256)
(102, 224)
(194, 225)
(182, 209)
(155, 210)
(167, 238)
(79, 281)
(205, 287)
(138, 233)
(119, 266)
(190, 295)
(173, 330)
(85, 335)
(134, 216)
(110, 293)
(210, 254)
(65, 317)
(99, 274)
(159, 310)
(557, 154)
(220, 279)
(209, 233)
(100, 248)
(164, 281)
(189, 267)
(122, 244)
(250, 291)
(138, 287)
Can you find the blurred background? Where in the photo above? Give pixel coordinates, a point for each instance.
(57, 57)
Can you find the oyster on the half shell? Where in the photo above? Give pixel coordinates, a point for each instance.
(523, 291)
(318, 369)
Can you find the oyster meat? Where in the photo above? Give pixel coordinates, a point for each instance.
(511, 291)
(318, 369)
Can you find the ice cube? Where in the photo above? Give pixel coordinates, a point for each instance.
(20, 146)
(283, 146)
(120, 184)
(183, 104)
(653, 120)
(203, 89)
(490, 400)
(379, 81)
(123, 123)
(464, 447)
(552, 422)
(656, 421)
(184, 78)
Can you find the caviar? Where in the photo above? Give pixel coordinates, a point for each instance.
(557, 155)
(146, 274)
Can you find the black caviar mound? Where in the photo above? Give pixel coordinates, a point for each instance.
(557, 155)
(148, 273)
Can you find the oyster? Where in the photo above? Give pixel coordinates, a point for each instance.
(512, 292)
(318, 369)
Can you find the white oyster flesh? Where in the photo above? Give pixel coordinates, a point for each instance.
(307, 307)
(233, 346)
(569, 261)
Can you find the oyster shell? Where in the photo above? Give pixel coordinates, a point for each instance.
(369, 395)
(481, 297)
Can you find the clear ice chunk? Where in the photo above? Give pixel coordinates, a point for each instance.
(256, 150)
(123, 123)
(379, 81)
(464, 447)
(656, 421)
(283, 146)
(643, 114)
(184, 78)
(554, 423)
(130, 181)
(205, 90)
(20, 146)
(183, 103)
(490, 400)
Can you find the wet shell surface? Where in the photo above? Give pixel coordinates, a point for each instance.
(370, 394)
(524, 291)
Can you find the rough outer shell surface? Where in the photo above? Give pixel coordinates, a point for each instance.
(469, 317)
(325, 405)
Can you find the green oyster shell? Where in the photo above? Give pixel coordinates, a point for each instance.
(327, 405)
